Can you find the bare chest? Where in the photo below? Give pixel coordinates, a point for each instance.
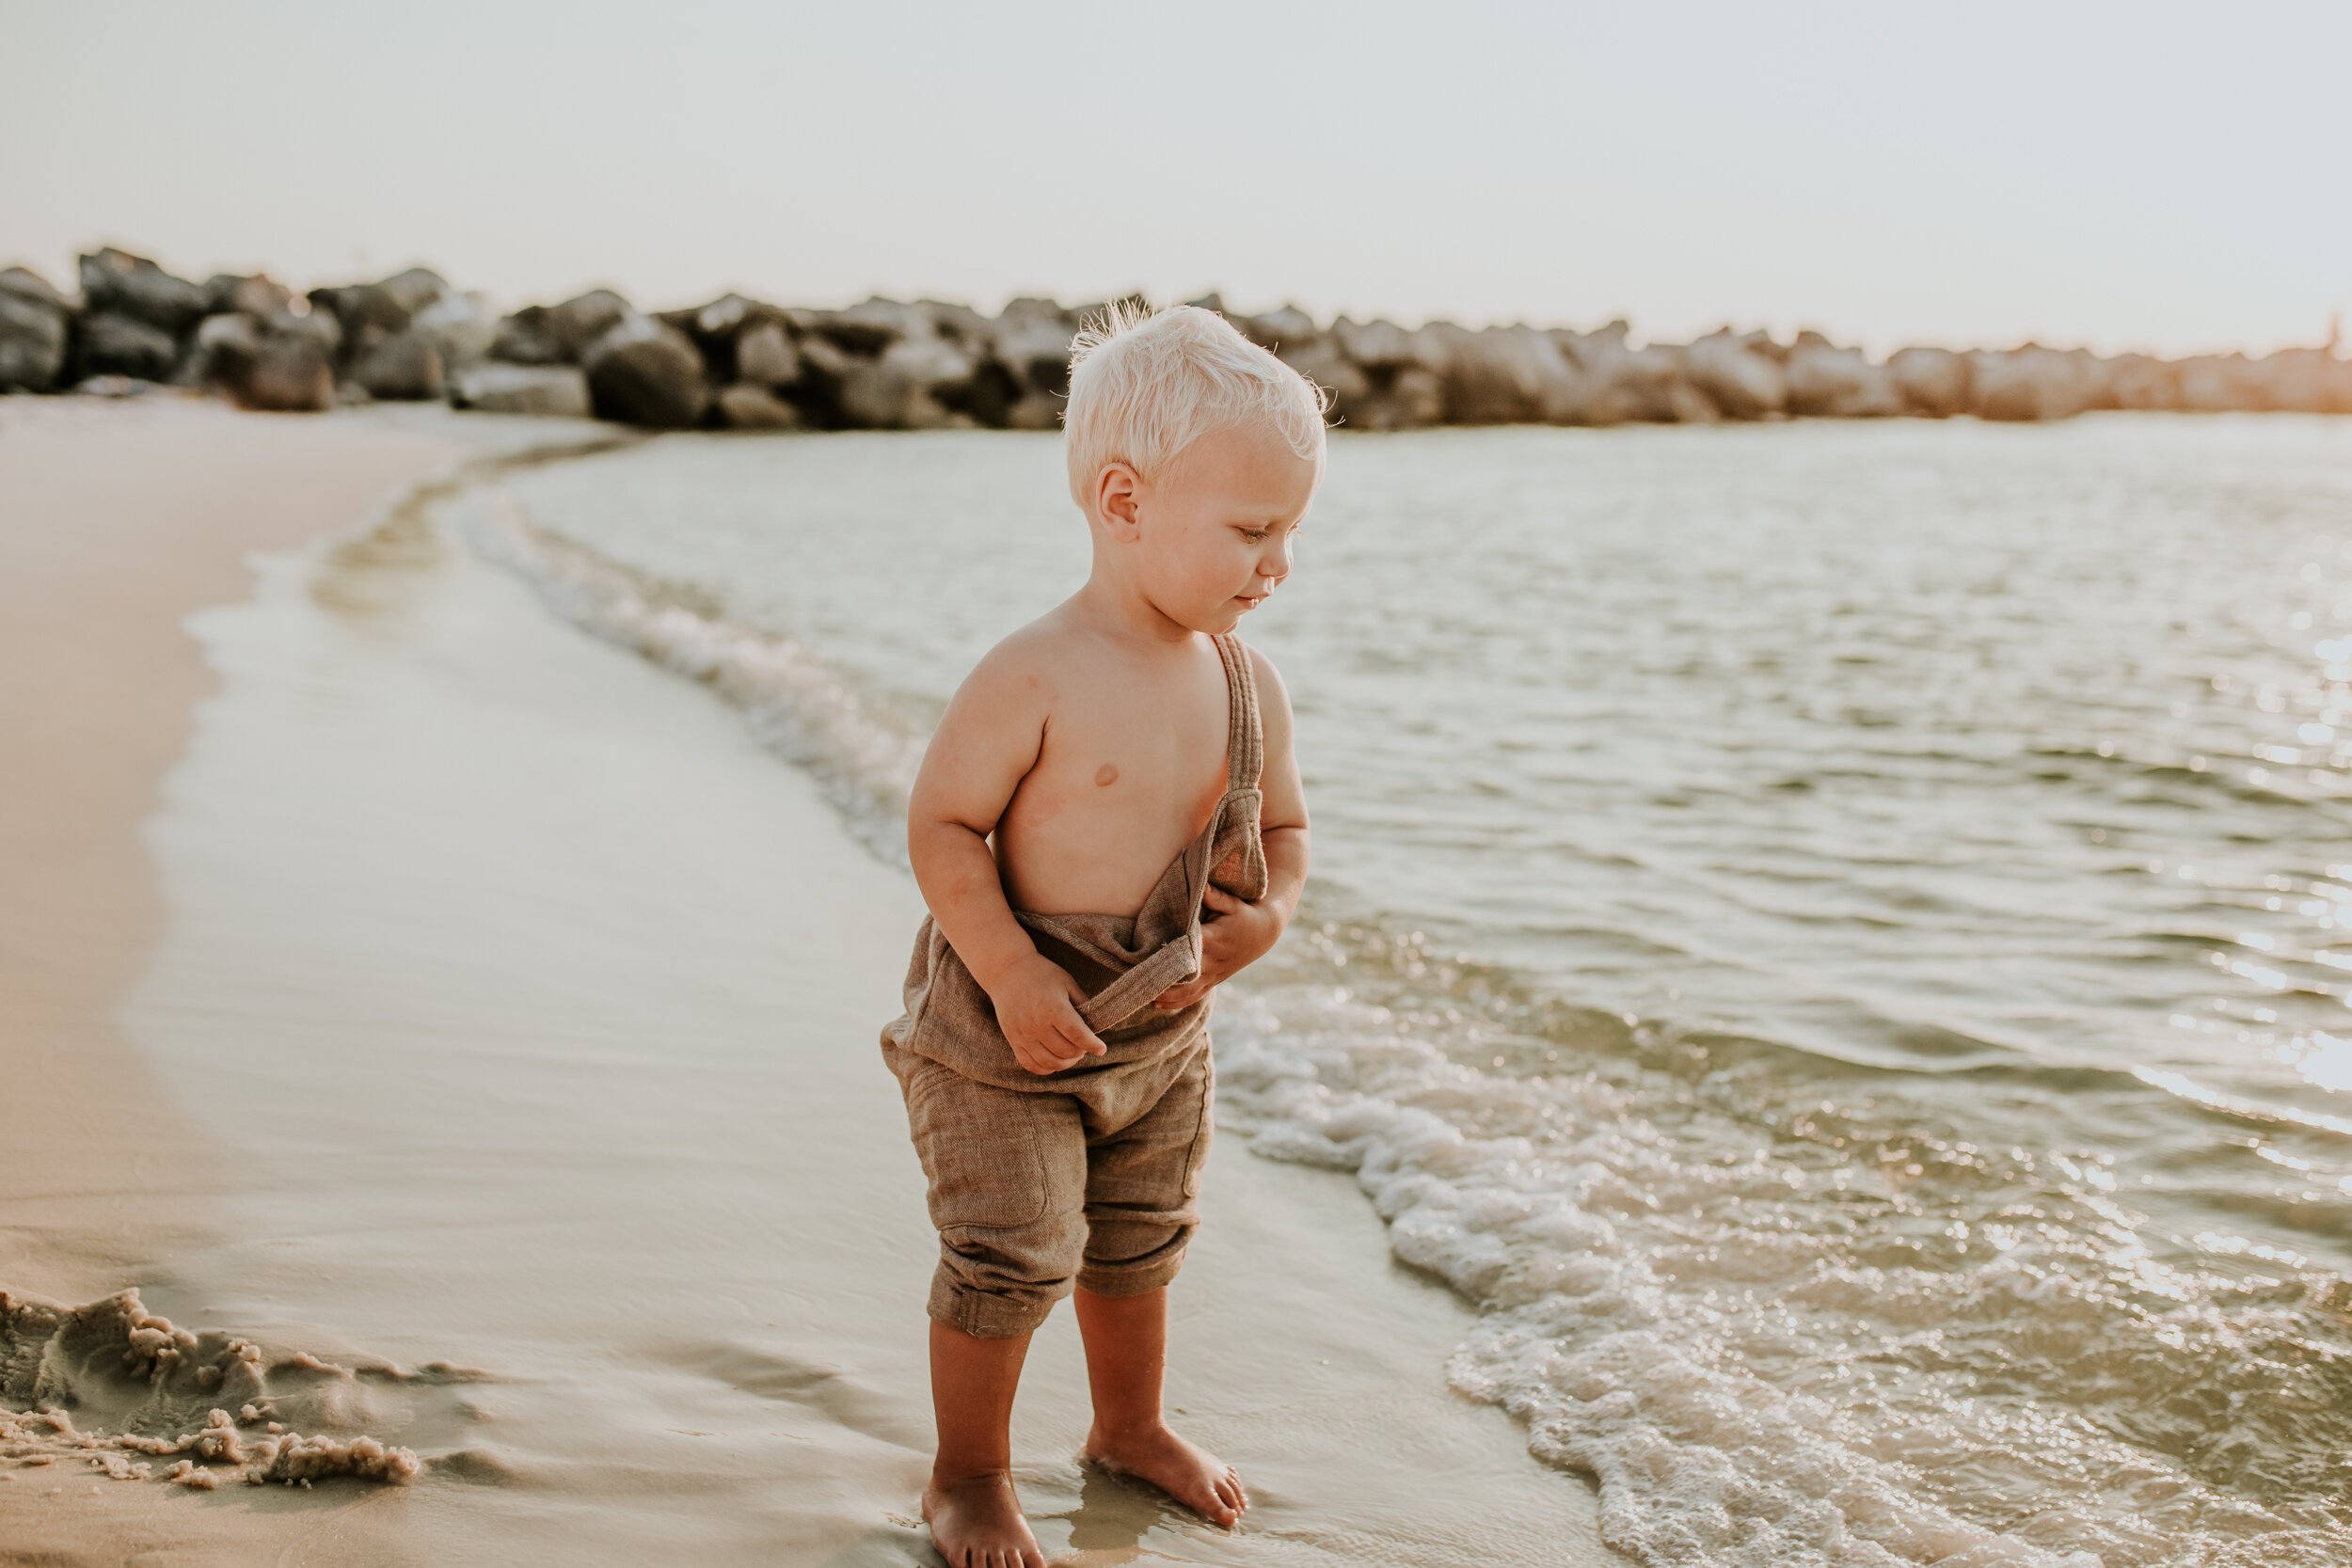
(1121, 784)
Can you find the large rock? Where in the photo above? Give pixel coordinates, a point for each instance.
(416, 288)
(1737, 375)
(2217, 384)
(287, 367)
(765, 356)
(367, 313)
(1650, 384)
(643, 372)
(1323, 362)
(1509, 375)
(111, 343)
(1378, 346)
(2304, 381)
(34, 322)
(406, 368)
(1932, 382)
(490, 386)
(2139, 381)
(459, 327)
(914, 384)
(258, 295)
(747, 406)
(581, 320)
(1829, 382)
(2028, 382)
(117, 283)
(1029, 343)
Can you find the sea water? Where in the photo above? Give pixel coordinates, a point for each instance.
(1830, 937)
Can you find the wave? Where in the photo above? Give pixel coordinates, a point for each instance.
(806, 709)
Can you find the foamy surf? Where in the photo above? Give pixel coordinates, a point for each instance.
(799, 705)
(1875, 1346)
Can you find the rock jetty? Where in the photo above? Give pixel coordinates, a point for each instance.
(746, 364)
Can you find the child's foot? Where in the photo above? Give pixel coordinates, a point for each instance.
(1185, 1473)
(976, 1523)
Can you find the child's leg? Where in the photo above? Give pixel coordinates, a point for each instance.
(1143, 1182)
(1126, 1340)
(975, 1516)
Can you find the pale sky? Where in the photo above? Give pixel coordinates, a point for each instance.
(2156, 176)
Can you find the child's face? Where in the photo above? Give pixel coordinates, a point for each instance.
(1217, 527)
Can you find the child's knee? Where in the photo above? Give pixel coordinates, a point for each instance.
(1006, 1189)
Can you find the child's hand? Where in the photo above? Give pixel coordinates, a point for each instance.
(1036, 1007)
(1236, 934)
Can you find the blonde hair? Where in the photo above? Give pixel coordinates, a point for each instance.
(1146, 382)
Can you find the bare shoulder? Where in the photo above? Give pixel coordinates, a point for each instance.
(991, 734)
(1274, 698)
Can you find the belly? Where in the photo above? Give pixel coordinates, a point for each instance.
(1060, 855)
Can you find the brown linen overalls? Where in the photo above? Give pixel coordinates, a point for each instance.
(1092, 1173)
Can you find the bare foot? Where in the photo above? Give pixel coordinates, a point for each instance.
(976, 1523)
(1185, 1473)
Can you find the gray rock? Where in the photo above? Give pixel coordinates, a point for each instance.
(1932, 382)
(1285, 329)
(117, 283)
(367, 313)
(765, 356)
(459, 326)
(34, 327)
(580, 321)
(1324, 363)
(415, 289)
(747, 406)
(405, 368)
(1651, 383)
(643, 372)
(524, 339)
(1030, 337)
(285, 369)
(1509, 375)
(912, 386)
(1736, 377)
(489, 386)
(111, 343)
(1376, 344)
(255, 296)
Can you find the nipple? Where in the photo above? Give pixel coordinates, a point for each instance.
(1106, 774)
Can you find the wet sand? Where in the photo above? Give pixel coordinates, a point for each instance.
(527, 1009)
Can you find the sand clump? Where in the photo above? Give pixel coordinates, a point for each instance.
(123, 1390)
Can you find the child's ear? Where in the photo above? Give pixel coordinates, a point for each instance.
(1117, 494)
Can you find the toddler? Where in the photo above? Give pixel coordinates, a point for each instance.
(1103, 774)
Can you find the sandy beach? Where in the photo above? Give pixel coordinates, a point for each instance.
(409, 984)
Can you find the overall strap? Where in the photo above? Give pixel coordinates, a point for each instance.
(1244, 737)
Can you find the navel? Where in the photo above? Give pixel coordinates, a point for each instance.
(1106, 774)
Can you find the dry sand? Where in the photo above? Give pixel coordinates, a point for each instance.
(513, 1014)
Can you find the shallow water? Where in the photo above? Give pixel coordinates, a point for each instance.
(1832, 937)
(534, 1011)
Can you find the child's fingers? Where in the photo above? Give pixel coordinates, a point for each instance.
(1074, 1029)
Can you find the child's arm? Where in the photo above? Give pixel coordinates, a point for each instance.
(1237, 932)
(986, 743)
